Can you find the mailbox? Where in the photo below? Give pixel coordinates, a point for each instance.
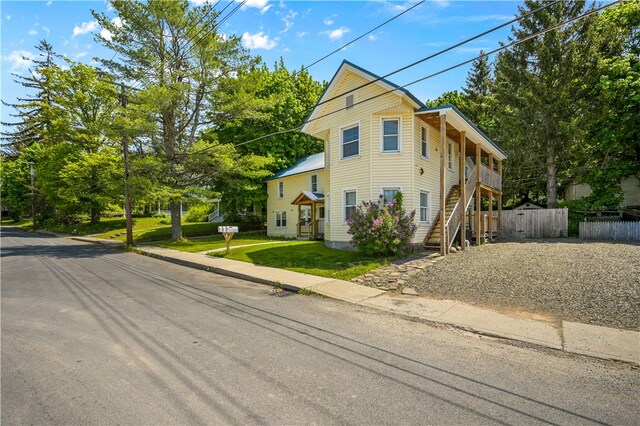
(228, 232)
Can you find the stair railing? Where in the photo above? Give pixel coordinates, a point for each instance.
(453, 221)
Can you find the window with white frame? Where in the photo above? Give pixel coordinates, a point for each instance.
(351, 141)
(350, 202)
(314, 183)
(450, 156)
(281, 189)
(425, 215)
(281, 219)
(424, 142)
(390, 135)
(388, 194)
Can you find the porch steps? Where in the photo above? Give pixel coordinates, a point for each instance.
(432, 240)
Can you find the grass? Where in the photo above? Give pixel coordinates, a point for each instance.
(310, 257)
(216, 242)
(10, 222)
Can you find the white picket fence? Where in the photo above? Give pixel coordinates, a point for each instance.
(543, 223)
(610, 231)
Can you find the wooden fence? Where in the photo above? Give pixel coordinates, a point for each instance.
(611, 231)
(544, 223)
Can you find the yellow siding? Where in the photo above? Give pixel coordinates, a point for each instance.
(292, 187)
(630, 186)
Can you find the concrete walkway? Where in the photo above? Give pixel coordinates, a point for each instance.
(584, 339)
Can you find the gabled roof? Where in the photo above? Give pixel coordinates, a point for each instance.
(479, 133)
(303, 165)
(367, 75)
(304, 197)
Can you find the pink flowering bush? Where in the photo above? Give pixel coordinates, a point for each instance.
(382, 230)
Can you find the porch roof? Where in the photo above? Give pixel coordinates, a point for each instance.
(308, 197)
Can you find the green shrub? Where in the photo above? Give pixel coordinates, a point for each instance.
(382, 230)
(197, 213)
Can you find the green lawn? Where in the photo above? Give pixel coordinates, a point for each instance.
(216, 242)
(10, 222)
(311, 257)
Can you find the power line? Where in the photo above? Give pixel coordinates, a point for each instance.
(426, 58)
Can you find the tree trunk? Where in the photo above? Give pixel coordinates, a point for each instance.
(176, 217)
(552, 178)
(95, 215)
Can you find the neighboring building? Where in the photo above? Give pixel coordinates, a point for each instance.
(378, 140)
(630, 187)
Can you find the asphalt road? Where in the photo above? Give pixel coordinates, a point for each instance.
(93, 336)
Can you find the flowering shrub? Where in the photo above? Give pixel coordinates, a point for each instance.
(382, 230)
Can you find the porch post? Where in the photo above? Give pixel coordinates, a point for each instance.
(491, 199)
(500, 199)
(478, 195)
(298, 232)
(463, 193)
(443, 201)
(313, 220)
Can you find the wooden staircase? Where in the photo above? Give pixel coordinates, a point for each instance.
(452, 212)
(432, 239)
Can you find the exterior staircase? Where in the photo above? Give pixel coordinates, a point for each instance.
(432, 239)
(452, 211)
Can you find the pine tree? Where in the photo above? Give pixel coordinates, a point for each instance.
(478, 94)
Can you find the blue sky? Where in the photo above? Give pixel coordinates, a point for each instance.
(298, 31)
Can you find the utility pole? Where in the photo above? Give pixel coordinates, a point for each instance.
(125, 152)
(33, 195)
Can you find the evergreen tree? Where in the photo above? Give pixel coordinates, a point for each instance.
(479, 102)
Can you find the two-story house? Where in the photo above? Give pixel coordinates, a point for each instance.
(380, 139)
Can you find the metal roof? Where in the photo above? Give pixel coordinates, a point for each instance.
(303, 165)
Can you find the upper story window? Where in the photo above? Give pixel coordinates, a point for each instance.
(450, 156)
(281, 189)
(391, 135)
(351, 141)
(314, 183)
(424, 142)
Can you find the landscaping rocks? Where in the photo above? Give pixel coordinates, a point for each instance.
(409, 291)
(397, 273)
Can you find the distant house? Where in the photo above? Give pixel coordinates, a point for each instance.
(379, 140)
(630, 187)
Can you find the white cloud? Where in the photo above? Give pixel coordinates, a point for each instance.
(200, 2)
(106, 34)
(46, 29)
(258, 41)
(20, 59)
(117, 21)
(85, 28)
(372, 37)
(288, 21)
(49, 2)
(337, 33)
(80, 55)
(302, 34)
(258, 4)
(8, 17)
(441, 3)
(327, 21)
(32, 32)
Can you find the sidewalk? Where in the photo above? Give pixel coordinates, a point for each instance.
(584, 339)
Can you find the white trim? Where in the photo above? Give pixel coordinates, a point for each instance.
(347, 127)
(275, 219)
(389, 118)
(390, 187)
(327, 208)
(427, 140)
(450, 162)
(311, 183)
(420, 192)
(343, 203)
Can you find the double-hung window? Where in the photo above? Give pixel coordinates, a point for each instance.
(350, 141)
(388, 194)
(350, 202)
(281, 189)
(424, 207)
(314, 183)
(450, 156)
(424, 142)
(281, 219)
(390, 135)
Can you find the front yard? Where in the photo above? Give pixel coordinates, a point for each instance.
(217, 242)
(595, 283)
(311, 257)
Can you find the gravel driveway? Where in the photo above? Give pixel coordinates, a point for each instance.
(595, 283)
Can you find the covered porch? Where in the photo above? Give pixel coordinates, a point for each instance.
(310, 223)
(479, 180)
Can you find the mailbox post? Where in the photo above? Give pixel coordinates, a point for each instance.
(228, 232)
